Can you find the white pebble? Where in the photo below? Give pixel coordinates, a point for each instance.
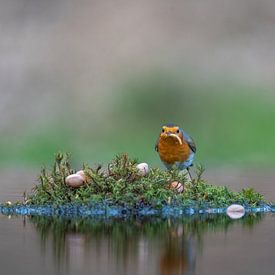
(143, 169)
(74, 180)
(235, 211)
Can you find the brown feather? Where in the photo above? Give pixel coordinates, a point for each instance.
(171, 151)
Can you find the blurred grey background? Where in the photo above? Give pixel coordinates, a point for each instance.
(97, 78)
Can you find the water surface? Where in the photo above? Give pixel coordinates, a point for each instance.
(188, 245)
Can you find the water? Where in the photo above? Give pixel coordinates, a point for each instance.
(206, 244)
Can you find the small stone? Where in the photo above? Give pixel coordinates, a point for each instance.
(143, 169)
(8, 203)
(74, 180)
(235, 211)
(177, 185)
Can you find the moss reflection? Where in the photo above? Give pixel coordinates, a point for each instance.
(167, 246)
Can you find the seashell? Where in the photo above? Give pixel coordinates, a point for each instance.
(143, 169)
(82, 174)
(177, 185)
(74, 180)
(235, 211)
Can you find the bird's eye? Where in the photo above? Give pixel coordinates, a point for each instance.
(178, 131)
(163, 131)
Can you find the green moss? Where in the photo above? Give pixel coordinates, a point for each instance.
(120, 183)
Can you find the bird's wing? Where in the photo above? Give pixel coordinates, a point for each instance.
(189, 141)
(156, 145)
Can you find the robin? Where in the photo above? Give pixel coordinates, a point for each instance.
(175, 147)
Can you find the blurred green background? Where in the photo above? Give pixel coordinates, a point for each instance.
(97, 78)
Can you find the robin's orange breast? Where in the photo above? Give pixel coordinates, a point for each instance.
(171, 151)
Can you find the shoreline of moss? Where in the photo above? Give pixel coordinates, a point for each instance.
(103, 210)
(120, 184)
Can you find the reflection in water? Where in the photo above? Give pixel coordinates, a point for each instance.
(136, 246)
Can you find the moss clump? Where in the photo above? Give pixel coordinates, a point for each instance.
(120, 183)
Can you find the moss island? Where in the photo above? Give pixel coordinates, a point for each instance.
(119, 185)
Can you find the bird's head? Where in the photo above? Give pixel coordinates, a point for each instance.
(172, 132)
